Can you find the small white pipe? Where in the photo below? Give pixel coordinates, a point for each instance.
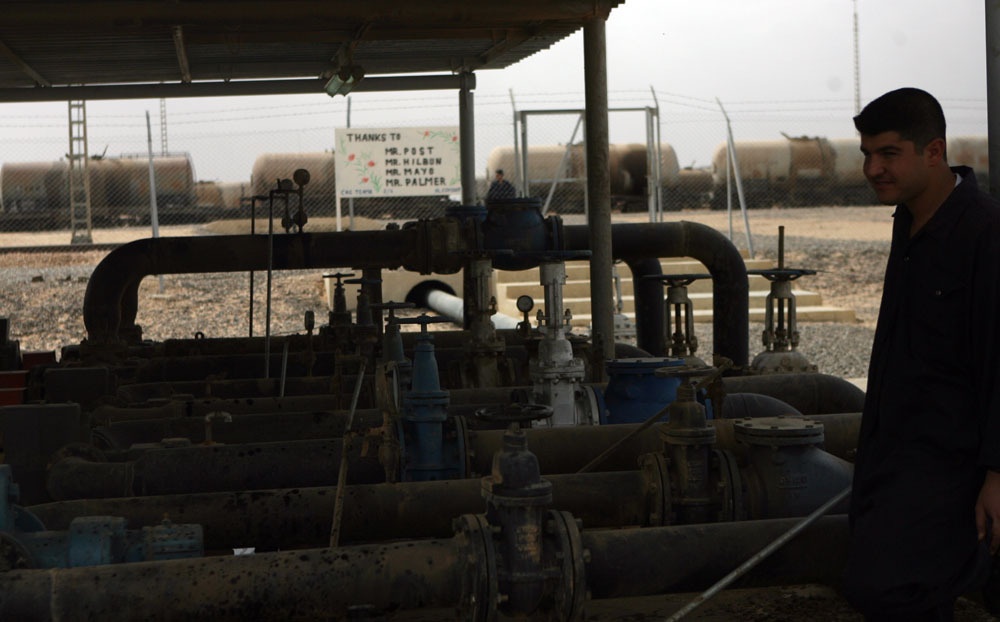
(450, 306)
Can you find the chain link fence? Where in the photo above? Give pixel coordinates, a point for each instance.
(210, 157)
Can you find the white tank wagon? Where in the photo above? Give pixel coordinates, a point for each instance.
(627, 163)
(808, 171)
(36, 194)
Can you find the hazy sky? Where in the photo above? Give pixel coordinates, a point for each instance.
(777, 66)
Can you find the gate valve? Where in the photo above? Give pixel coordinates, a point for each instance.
(686, 415)
(392, 340)
(680, 311)
(479, 304)
(363, 313)
(339, 315)
(776, 336)
(431, 446)
(517, 500)
(425, 369)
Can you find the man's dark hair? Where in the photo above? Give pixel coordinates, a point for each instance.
(499, 171)
(914, 113)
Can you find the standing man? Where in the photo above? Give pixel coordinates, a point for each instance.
(925, 508)
(500, 188)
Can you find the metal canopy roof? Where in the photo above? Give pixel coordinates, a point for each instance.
(146, 48)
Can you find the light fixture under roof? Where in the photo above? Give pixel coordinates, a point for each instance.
(344, 80)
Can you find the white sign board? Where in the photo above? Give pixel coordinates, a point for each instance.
(405, 161)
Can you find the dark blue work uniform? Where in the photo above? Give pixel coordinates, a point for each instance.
(931, 422)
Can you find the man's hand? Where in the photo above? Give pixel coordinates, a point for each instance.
(988, 511)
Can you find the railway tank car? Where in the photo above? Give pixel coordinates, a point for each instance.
(813, 170)
(628, 169)
(35, 195)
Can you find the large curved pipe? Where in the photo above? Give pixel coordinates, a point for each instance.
(810, 394)
(650, 308)
(112, 298)
(731, 289)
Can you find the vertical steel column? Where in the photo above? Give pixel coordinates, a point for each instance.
(598, 185)
(993, 92)
(467, 136)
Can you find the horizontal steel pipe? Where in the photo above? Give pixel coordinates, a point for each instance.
(212, 469)
(731, 289)
(248, 388)
(278, 427)
(178, 405)
(811, 394)
(688, 558)
(327, 583)
(111, 300)
(566, 450)
(315, 584)
(300, 517)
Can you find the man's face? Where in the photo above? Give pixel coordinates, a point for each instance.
(499, 176)
(896, 170)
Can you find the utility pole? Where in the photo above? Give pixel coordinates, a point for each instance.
(857, 65)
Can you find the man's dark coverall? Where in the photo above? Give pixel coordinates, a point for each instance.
(931, 422)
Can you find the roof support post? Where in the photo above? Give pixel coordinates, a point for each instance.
(993, 92)
(598, 185)
(467, 137)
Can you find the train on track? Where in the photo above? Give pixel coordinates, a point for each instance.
(790, 172)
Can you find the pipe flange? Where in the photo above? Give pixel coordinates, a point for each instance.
(572, 590)
(480, 584)
(732, 487)
(656, 484)
(778, 431)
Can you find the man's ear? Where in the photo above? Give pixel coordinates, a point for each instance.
(935, 152)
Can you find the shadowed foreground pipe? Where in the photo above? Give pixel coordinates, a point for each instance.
(325, 583)
(300, 517)
(212, 469)
(730, 287)
(273, 428)
(566, 450)
(111, 302)
(811, 394)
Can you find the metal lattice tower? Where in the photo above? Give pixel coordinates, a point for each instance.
(81, 222)
(163, 127)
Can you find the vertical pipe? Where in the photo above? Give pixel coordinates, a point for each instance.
(467, 136)
(466, 133)
(598, 184)
(650, 309)
(993, 91)
(350, 201)
(523, 162)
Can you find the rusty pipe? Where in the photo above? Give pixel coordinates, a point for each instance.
(810, 394)
(327, 583)
(210, 469)
(566, 450)
(111, 300)
(300, 517)
(731, 289)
